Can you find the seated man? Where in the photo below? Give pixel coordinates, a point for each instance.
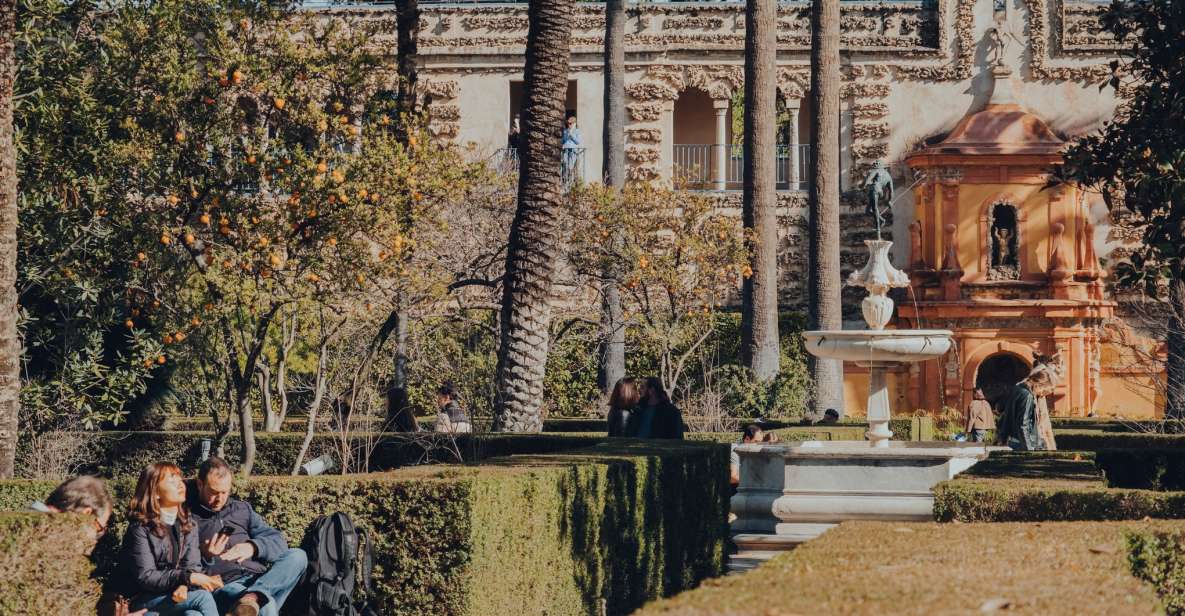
(258, 568)
(82, 494)
(751, 434)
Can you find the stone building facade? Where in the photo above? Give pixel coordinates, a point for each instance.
(912, 72)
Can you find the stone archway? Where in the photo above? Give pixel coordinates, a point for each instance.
(999, 372)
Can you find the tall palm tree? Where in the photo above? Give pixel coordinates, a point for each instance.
(759, 293)
(535, 234)
(612, 366)
(10, 344)
(825, 283)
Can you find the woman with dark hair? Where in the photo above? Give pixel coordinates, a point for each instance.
(160, 559)
(622, 402)
(400, 416)
(452, 417)
(657, 417)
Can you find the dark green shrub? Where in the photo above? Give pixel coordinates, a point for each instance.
(1159, 559)
(1094, 440)
(1145, 469)
(1036, 487)
(43, 565)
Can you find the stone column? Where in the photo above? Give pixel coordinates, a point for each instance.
(793, 176)
(720, 148)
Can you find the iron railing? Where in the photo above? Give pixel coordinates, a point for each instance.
(571, 162)
(722, 166)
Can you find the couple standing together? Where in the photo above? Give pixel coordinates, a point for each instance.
(642, 409)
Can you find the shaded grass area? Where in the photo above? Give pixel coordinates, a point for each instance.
(899, 568)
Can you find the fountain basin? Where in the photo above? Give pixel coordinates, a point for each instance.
(879, 346)
(799, 490)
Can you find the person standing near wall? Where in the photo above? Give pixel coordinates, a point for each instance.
(979, 418)
(623, 403)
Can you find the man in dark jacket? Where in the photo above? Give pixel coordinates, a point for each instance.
(1017, 426)
(257, 566)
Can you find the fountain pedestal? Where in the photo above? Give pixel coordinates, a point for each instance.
(798, 490)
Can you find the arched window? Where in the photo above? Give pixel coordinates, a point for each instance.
(1003, 253)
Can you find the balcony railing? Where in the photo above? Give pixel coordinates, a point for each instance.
(571, 163)
(722, 166)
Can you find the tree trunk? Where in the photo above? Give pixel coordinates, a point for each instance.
(759, 292)
(535, 234)
(263, 376)
(612, 365)
(318, 395)
(247, 430)
(826, 310)
(399, 375)
(10, 343)
(1174, 407)
(407, 24)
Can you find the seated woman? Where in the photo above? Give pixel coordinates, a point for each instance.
(452, 417)
(160, 560)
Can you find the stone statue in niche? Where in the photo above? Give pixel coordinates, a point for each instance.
(1003, 254)
(879, 185)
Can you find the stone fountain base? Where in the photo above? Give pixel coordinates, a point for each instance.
(799, 490)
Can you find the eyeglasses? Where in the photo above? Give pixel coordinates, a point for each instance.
(100, 529)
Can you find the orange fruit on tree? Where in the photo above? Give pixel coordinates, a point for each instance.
(173, 199)
(278, 102)
(189, 239)
(160, 359)
(179, 136)
(236, 77)
(204, 218)
(250, 159)
(129, 324)
(179, 336)
(322, 167)
(168, 339)
(165, 239)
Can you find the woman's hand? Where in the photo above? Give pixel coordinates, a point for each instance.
(181, 594)
(205, 582)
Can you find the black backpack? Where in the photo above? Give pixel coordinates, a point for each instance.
(338, 552)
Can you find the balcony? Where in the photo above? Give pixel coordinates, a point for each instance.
(722, 166)
(571, 161)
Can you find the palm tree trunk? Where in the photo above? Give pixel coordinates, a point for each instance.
(612, 366)
(826, 311)
(759, 293)
(407, 24)
(10, 344)
(535, 234)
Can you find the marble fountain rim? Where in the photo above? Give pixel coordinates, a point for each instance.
(878, 334)
(861, 449)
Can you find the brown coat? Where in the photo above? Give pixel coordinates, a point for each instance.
(979, 416)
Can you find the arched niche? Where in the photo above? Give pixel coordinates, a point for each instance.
(1002, 250)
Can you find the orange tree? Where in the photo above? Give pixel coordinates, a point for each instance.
(681, 260)
(240, 162)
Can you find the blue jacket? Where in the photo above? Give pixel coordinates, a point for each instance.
(269, 543)
(154, 565)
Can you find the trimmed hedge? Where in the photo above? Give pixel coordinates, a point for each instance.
(125, 454)
(1094, 440)
(1159, 559)
(42, 564)
(1034, 487)
(904, 568)
(618, 522)
(1145, 469)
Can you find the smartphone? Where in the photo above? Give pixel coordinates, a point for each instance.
(227, 530)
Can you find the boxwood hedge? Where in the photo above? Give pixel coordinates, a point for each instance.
(599, 529)
(43, 566)
(1037, 487)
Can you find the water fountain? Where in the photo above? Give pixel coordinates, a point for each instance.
(798, 490)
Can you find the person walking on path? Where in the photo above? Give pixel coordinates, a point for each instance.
(979, 418)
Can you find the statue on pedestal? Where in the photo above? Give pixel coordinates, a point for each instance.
(879, 185)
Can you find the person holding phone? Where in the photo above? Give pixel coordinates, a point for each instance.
(160, 560)
(252, 558)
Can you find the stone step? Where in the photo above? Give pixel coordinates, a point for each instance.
(757, 542)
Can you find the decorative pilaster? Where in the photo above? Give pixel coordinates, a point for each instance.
(1059, 268)
(951, 273)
